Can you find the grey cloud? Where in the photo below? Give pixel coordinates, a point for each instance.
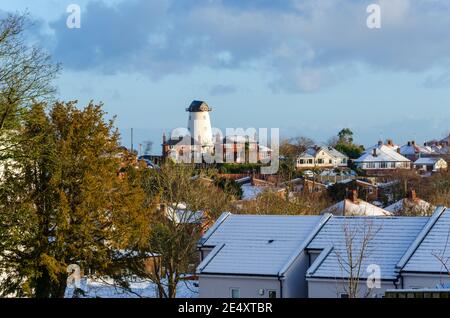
(303, 45)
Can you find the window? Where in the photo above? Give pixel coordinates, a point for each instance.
(272, 293)
(344, 295)
(320, 161)
(235, 293)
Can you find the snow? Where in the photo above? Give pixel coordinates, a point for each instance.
(434, 246)
(392, 236)
(255, 244)
(426, 161)
(406, 205)
(105, 288)
(361, 208)
(250, 192)
(383, 153)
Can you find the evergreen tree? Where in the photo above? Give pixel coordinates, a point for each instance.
(63, 201)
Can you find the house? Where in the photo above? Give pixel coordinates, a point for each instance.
(256, 256)
(353, 206)
(321, 158)
(411, 205)
(381, 159)
(427, 262)
(374, 245)
(430, 164)
(413, 151)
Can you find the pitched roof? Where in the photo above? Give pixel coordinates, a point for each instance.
(411, 149)
(433, 246)
(382, 153)
(391, 238)
(417, 206)
(427, 161)
(256, 244)
(312, 152)
(360, 208)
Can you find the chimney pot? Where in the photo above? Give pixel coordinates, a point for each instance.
(353, 196)
(412, 195)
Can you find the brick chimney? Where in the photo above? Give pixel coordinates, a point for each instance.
(413, 142)
(412, 196)
(390, 142)
(353, 196)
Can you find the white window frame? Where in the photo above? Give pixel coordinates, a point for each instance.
(235, 289)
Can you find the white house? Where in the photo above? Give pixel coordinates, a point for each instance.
(256, 256)
(382, 159)
(430, 164)
(373, 244)
(321, 157)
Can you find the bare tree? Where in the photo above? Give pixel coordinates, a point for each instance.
(184, 208)
(441, 256)
(357, 249)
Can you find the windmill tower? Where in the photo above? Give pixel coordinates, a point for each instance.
(199, 124)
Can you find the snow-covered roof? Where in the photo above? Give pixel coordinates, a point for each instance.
(382, 153)
(250, 192)
(257, 244)
(433, 250)
(412, 148)
(313, 151)
(360, 208)
(417, 206)
(427, 161)
(388, 239)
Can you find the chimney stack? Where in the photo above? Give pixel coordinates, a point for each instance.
(374, 152)
(390, 142)
(412, 195)
(353, 195)
(409, 143)
(380, 143)
(413, 142)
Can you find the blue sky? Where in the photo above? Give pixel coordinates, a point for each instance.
(308, 67)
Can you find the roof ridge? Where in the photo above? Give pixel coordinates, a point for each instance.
(312, 234)
(420, 237)
(212, 229)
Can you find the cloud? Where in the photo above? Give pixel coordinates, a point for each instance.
(222, 90)
(304, 45)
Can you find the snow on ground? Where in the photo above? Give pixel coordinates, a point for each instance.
(105, 288)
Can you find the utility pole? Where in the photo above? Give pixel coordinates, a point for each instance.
(131, 139)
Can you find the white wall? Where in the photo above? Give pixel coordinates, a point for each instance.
(220, 286)
(325, 288)
(412, 281)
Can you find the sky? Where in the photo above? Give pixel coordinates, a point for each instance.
(307, 67)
